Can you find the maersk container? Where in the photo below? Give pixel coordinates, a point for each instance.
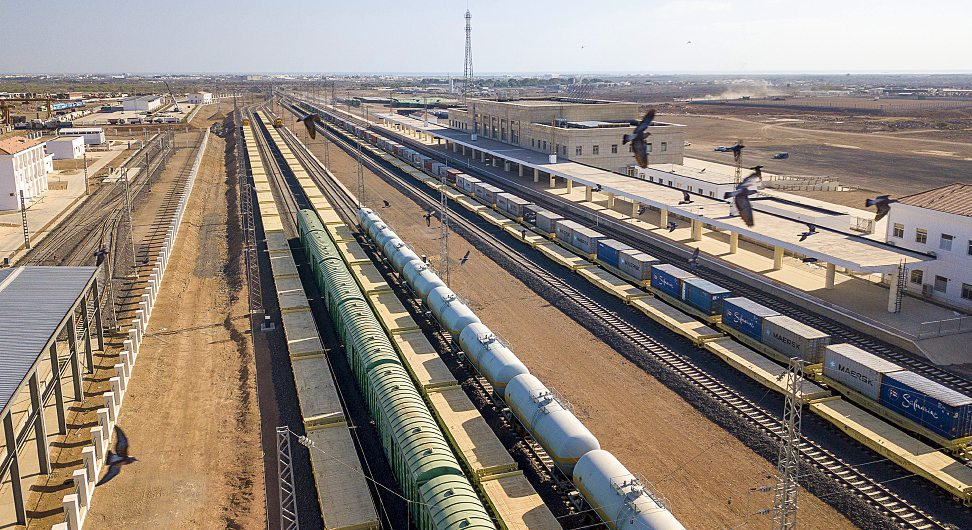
(794, 339)
(938, 408)
(636, 264)
(493, 359)
(502, 199)
(467, 183)
(856, 369)
(609, 250)
(511, 204)
(585, 240)
(547, 221)
(704, 295)
(560, 433)
(421, 278)
(618, 496)
(452, 314)
(565, 230)
(668, 279)
(487, 193)
(745, 316)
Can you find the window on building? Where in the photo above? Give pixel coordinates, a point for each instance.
(664, 147)
(941, 284)
(649, 148)
(917, 276)
(544, 145)
(578, 150)
(689, 189)
(898, 230)
(596, 150)
(970, 247)
(533, 142)
(946, 242)
(921, 235)
(711, 194)
(614, 151)
(669, 183)
(967, 291)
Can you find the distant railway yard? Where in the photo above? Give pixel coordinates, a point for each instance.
(309, 314)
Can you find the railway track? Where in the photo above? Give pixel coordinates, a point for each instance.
(875, 494)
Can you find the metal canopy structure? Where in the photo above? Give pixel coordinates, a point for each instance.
(42, 310)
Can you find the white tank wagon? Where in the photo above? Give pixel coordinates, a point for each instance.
(367, 217)
(398, 253)
(421, 278)
(490, 357)
(618, 496)
(453, 315)
(560, 433)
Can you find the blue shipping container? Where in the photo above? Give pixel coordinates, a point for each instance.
(746, 316)
(668, 279)
(608, 250)
(931, 405)
(705, 295)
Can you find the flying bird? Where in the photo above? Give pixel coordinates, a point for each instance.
(740, 197)
(597, 187)
(309, 121)
(811, 231)
(702, 170)
(119, 458)
(637, 139)
(809, 260)
(758, 170)
(686, 198)
(464, 258)
(694, 260)
(672, 225)
(385, 204)
(428, 218)
(736, 151)
(883, 203)
(642, 209)
(100, 255)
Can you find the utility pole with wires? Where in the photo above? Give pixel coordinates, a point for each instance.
(285, 477)
(785, 502)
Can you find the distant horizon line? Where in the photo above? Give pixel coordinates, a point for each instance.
(547, 73)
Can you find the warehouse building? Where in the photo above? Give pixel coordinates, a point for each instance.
(200, 98)
(142, 103)
(24, 166)
(588, 132)
(91, 135)
(938, 221)
(66, 148)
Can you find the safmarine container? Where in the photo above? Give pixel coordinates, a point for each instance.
(636, 263)
(856, 369)
(704, 295)
(547, 221)
(794, 339)
(565, 230)
(668, 279)
(938, 408)
(608, 251)
(745, 316)
(530, 214)
(585, 240)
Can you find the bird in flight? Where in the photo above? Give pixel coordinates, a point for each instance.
(597, 187)
(672, 225)
(309, 121)
(464, 258)
(811, 230)
(694, 260)
(642, 209)
(740, 196)
(637, 139)
(119, 458)
(883, 204)
(100, 255)
(736, 151)
(686, 198)
(702, 170)
(385, 204)
(428, 217)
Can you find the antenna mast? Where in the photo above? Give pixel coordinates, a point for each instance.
(467, 71)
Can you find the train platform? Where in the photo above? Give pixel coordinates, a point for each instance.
(856, 297)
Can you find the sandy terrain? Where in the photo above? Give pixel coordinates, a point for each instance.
(706, 474)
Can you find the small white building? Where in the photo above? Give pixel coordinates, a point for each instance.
(66, 148)
(142, 103)
(91, 135)
(23, 167)
(200, 98)
(938, 221)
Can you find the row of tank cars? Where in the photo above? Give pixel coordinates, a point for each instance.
(903, 397)
(416, 449)
(620, 499)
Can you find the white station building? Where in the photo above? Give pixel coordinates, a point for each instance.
(66, 147)
(142, 103)
(200, 98)
(24, 166)
(937, 221)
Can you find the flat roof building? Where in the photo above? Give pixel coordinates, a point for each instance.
(66, 148)
(200, 98)
(142, 103)
(24, 166)
(91, 135)
(588, 131)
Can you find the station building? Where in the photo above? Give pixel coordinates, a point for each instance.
(142, 103)
(587, 132)
(200, 98)
(24, 166)
(937, 221)
(66, 148)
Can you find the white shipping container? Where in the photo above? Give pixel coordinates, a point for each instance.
(856, 369)
(794, 339)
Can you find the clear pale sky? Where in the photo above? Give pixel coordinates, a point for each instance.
(72, 36)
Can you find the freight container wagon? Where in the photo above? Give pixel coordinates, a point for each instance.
(667, 279)
(427, 163)
(585, 240)
(564, 230)
(636, 264)
(512, 205)
(467, 184)
(856, 369)
(744, 316)
(438, 168)
(547, 221)
(487, 193)
(609, 250)
(705, 296)
(794, 339)
(451, 175)
(939, 409)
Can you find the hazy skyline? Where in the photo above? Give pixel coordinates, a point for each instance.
(708, 36)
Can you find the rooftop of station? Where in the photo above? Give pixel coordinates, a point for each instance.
(954, 198)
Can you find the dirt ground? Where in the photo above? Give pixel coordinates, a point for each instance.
(707, 475)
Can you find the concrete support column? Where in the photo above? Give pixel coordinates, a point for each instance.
(634, 208)
(831, 276)
(893, 292)
(14, 471)
(570, 185)
(58, 392)
(536, 175)
(553, 181)
(733, 242)
(40, 425)
(777, 258)
(86, 326)
(610, 200)
(696, 230)
(97, 314)
(75, 359)
(495, 161)
(589, 194)
(506, 165)
(663, 222)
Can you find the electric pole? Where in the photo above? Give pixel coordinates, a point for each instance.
(785, 502)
